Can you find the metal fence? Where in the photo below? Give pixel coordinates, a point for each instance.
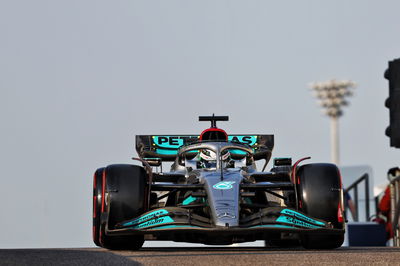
(394, 203)
(354, 187)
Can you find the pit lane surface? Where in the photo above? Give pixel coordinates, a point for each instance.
(203, 256)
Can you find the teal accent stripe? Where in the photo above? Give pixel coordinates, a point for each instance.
(257, 226)
(301, 216)
(290, 220)
(237, 152)
(146, 217)
(174, 226)
(154, 222)
(274, 226)
(189, 200)
(166, 152)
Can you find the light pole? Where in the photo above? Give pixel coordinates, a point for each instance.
(332, 96)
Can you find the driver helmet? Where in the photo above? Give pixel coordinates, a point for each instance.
(209, 158)
(226, 156)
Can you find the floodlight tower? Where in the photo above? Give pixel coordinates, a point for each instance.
(331, 97)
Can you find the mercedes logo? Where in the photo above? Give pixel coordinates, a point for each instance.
(226, 215)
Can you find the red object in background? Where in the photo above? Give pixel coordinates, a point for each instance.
(384, 208)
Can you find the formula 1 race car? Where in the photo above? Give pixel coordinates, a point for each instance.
(214, 195)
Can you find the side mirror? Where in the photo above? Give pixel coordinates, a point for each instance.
(181, 160)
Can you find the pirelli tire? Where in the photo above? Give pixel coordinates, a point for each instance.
(125, 189)
(97, 193)
(320, 195)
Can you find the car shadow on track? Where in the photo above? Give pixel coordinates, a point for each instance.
(199, 252)
(62, 257)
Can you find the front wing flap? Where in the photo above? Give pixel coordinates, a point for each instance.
(174, 218)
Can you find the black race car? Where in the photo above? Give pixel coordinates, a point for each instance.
(213, 194)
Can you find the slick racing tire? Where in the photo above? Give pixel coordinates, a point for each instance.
(320, 195)
(124, 188)
(97, 190)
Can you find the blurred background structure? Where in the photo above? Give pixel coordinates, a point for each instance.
(332, 96)
(392, 192)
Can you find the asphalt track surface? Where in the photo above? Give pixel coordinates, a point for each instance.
(203, 256)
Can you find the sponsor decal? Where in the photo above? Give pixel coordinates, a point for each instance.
(157, 221)
(249, 140)
(301, 216)
(174, 142)
(294, 221)
(148, 216)
(224, 185)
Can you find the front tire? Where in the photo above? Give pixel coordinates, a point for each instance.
(123, 199)
(320, 194)
(97, 193)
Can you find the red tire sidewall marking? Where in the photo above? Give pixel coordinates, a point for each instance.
(94, 206)
(103, 191)
(95, 195)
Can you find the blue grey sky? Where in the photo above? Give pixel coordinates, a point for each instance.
(80, 78)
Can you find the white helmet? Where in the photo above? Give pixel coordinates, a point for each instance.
(209, 158)
(208, 155)
(226, 156)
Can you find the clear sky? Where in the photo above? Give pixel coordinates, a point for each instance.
(80, 78)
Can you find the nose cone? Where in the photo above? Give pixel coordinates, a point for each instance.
(223, 197)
